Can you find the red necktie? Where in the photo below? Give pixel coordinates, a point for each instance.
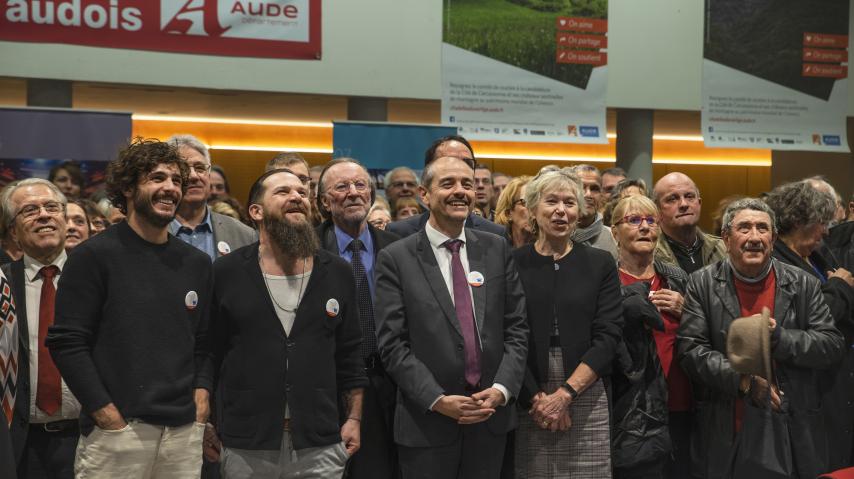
(465, 315)
(49, 391)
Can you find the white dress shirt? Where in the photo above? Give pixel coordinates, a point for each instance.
(443, 258)
(70, 408)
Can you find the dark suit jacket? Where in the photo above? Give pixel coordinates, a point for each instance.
(14, 272)
(326, 233)
(251, 351)
(420, 340)
(414, 224)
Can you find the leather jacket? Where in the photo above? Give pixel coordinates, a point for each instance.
(807, 343)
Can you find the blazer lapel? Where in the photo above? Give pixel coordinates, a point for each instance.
(19, 291)
(434, 278)
(727, 295)
(260, 285)
(476, 263)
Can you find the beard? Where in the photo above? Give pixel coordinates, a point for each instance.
(144, 208)
(297, 239)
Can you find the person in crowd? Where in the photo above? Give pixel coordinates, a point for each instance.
(591, 230)
(400, 182)
(406, 208)
(68, 178)
(224, 208)
(130, 336)
(346, 194)
(114, 215)
(195, 224)
(286, 342)
(610, 178)
(219, 184)
(849, 210)
(629, 187)
(9, 248)
(718, 214)
(97, 221)
(10, 346)
(296, 163)
(803, 341)
(379, 217)
(44, 432)
(803, 213)
(499, 182)
(459, 363)
(574, 311)
(78, 225)
(484, 191)
(314, 173)
(682, 243)
(512, 214)
(636, 233)
(457, 147)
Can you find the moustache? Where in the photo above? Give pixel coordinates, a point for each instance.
(754, 248)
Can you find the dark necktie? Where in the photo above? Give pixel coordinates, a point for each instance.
(363, 295)
(49, 389)
(465, 315)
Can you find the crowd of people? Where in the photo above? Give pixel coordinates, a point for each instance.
(571, 323)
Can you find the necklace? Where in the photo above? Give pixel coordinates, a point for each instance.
(299, 295)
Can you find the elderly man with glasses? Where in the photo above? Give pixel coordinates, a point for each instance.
(195, 224)
(44, 429)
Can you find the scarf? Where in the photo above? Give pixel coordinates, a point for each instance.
(583, 235)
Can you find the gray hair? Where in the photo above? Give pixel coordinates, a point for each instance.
(563, 179)
(585, 168)
(754, 204)
(190, 141)
(401, 169)
(638, 183)
(800, 204)
(6, 196)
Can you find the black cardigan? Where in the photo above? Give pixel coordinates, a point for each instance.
(584, 294)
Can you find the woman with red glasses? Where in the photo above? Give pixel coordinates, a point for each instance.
(644, 430)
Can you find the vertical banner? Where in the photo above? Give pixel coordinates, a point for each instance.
(775, 74)
(526, 70)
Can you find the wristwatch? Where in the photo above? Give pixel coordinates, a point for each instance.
(571, 390)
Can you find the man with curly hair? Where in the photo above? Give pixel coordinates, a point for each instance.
(131, 325)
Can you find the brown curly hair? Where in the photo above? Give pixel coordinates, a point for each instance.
(135, 161)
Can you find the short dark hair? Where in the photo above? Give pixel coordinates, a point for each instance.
(615, 171)
(82, 205)
(73, 170)
(430, 154)
(337, 161)
(483, 166)
(221, 171)
(284, 160)
(427, 172)
(136, 160)
(258, 188)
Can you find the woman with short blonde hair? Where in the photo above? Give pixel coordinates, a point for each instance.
(511, 212)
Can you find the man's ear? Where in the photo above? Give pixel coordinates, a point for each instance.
(256, 212)
(425, 195)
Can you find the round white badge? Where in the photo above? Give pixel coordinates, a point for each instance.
(332, 308)
(476, 279)
(223, 247)
(191, 300)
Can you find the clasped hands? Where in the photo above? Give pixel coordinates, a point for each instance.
(551, 411)
(470, 409)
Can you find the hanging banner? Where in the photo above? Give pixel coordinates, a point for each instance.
(526, 70)
(266, 29)
(775, 74)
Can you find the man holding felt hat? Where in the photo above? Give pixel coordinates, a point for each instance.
(801, 338)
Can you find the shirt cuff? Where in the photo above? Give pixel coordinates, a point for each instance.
(504, 391)
(433, 404)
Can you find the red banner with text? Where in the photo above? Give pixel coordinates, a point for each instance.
(266, 29)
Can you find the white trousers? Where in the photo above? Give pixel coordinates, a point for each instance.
(141, 451)
(325, 462)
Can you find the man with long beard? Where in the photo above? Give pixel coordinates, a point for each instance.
(286, 341)
(130, 331)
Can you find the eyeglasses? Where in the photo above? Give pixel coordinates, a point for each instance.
(520, 201)
(637, 220)
(344, 186)
(29, 212)
(200, 168)
(401, 184)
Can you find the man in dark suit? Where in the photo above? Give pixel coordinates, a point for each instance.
(44, 429)
(459, 366)
(345, 195)
(459, 147)
(286, 339)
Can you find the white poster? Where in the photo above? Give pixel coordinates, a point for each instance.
(775, 74)
(514, 70)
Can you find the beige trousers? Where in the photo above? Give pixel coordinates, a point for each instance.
(324, 462)
(141, 451)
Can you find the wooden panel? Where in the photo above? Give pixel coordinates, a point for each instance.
(13, 92)
(414, 111)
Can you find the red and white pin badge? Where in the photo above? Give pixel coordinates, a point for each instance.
(332, 308)
(476, 279)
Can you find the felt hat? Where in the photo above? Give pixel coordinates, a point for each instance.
(748, 345)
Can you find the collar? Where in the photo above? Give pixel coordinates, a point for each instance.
(689, 250)
(176, 225)
(343, 239)
(437, 238)
(32, 266)
(744, 279)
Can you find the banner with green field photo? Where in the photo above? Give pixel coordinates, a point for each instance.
(525, 70)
